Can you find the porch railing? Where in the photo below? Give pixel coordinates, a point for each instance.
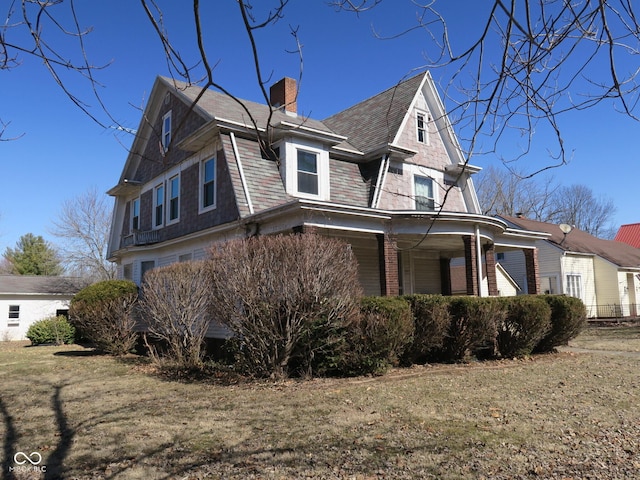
(141, 238)
(614, 310)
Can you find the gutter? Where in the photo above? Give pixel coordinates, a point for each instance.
(243, 180)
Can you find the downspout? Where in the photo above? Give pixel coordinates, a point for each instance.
(243, 180)
(382, 175)
(479, 260)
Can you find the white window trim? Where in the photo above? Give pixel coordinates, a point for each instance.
(289, 166)
(427, 119)
(163, 140)
(434, 185)
(201, 207)
(580, 284)
(168, 199)
(154, 218)
(137, 199)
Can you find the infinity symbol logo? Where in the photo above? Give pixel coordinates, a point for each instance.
(34, 459)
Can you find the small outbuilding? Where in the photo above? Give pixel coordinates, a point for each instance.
(25, 299)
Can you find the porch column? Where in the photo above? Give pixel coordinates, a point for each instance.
(445, 276)
(388, 261)
(470, 263)
(533, 271)
(490, 265)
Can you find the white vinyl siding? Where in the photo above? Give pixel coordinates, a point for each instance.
(366, 253)
(580, 265)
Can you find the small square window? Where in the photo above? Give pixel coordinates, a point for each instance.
(14, 313)
(307, 172)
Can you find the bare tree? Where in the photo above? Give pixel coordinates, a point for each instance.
(502, 192)
(84, 223)
(532, 61)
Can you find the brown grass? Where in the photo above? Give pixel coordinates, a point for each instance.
(564, 415)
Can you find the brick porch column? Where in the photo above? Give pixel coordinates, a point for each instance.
(471, 264)
(388, 261)
(533, 271)
(490, 265)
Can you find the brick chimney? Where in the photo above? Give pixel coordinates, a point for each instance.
(283, 95)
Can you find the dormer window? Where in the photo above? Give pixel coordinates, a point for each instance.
(166, 131)
(307, 172)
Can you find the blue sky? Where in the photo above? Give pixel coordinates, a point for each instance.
(62, 152)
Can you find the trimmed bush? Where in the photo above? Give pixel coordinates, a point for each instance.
(103, 315)
(272, 291)
(431, 320)
(526, 321)
(568, 318)
(379, 337)
(472, 327)
(55, 330)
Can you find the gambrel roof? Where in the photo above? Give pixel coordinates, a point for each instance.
(578, 241)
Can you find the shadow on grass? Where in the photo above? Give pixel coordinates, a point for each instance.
(80, 353)
(55, 462)
(10, 438)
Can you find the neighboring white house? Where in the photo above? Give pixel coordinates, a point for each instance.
(26, 299)
(604, 274)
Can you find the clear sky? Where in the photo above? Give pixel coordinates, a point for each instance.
(61, 152)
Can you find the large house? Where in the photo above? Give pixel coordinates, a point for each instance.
(387, 175)
(604, 274)
(25, 299)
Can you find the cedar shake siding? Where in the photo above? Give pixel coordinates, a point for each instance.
(353, 176)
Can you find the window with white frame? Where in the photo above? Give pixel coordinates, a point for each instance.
(135, 214)
(14, 314)
(158, 206)
(423, 191)
(174, 198)
(208, 184)
(421, 127)
(166, 130)
(574, 285)
(307, 169)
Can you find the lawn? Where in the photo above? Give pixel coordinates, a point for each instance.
(566, 415)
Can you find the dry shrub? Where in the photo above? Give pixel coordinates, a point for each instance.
(568, 318)
(103, 313)
(272, 291)
(174, 304)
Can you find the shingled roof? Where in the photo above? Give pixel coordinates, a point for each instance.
(376, 121)
(579, 241)
(39, 285)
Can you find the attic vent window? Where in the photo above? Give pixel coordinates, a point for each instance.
(396, 169)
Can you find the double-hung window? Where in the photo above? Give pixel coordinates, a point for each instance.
(174, 198)
(166, 131)
(208, 184)
(423, 189)
(135, 214)
(421, 127)
(307, 172)
(14, 314)
(158, 219)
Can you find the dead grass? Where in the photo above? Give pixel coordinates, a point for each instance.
(619, 337)
(554, 416)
